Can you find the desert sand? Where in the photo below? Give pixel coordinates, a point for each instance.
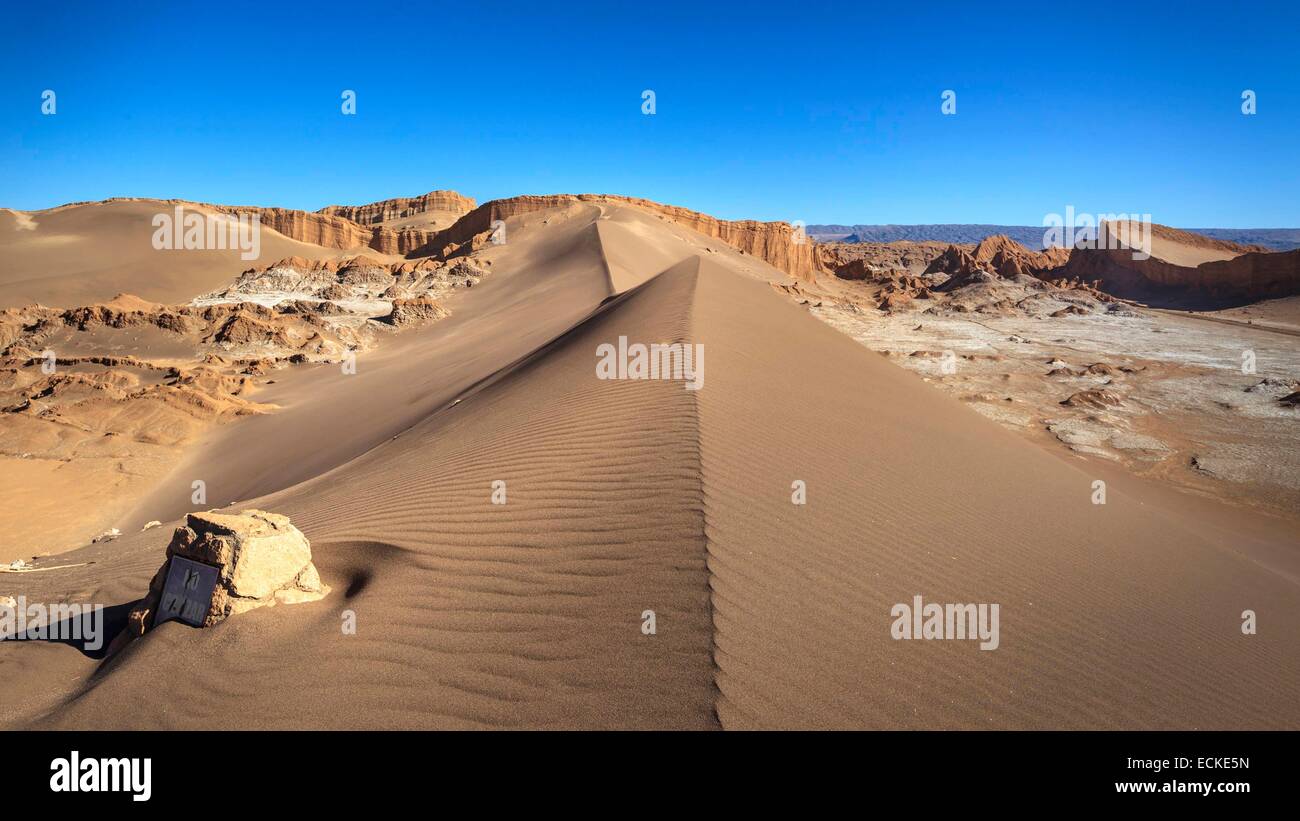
(91, 252)
(626, 496)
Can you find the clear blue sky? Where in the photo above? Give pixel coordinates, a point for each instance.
(794, 111)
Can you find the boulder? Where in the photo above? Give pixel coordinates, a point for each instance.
(261, 560)
(1099, 398)
(415, 311)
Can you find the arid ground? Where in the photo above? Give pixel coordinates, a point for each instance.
(947, 412)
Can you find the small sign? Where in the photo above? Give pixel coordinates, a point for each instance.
(187, 593)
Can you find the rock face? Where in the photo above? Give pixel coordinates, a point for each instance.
(1009, 258)
(1098, 398)
(956, 262)
(1183, 270)
(869, 260)
(402, 207)
(348, 227)
(330, 231)
(263, 560)
(416, 311)
(776, 243)
(330, 228)
(1000, 255)
(360, 286)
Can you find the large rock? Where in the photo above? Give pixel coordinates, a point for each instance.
(262, 560)
(415, 311)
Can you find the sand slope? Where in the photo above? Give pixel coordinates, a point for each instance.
(90, 252)
(1112, 616)
(1185, 270)
(626, 496)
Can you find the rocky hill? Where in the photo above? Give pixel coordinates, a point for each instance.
(330, 231)
(1186, 270)
(402, 207)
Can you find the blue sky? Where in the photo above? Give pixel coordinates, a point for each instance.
(794, 111)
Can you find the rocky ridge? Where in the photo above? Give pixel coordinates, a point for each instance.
(402, 207)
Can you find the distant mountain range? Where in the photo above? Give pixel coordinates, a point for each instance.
(1031, 236)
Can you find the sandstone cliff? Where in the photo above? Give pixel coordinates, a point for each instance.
(1188, 270)
(776, 243)
(401, 207)
(329, 231)
(358, 227)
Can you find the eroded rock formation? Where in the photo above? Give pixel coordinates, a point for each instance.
(402, 207)
(869, 260)
(330, 231)
(1187, 270)
(261, 559)
(776, 243)
(999, 255)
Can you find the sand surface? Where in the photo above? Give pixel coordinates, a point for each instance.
(88, 253)
(628, 496)
(1173, 246)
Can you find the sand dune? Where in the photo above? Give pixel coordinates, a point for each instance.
(626, 496)
(91, 252)
(1124, 616)
(1177, 247)
(1180, 269)
(402, 382)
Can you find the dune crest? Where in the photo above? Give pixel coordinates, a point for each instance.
(776, 243)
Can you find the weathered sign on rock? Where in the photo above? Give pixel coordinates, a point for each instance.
(222, 564)
(187, 593)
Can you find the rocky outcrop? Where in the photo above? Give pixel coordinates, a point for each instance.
(358, 286)
(329, 231)
(776, 243)
(870, 260)
(415, 311)
(1008, 258)
(1095, 398)
(401, 207)
(998, 255)
(261, 560)
(1249, 274)
(957, 262)
(327, 228)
